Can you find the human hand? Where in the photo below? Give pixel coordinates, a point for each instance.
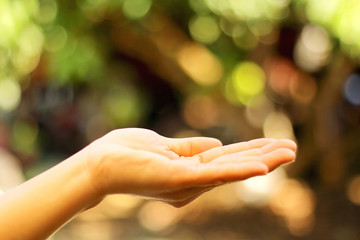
(176, 171)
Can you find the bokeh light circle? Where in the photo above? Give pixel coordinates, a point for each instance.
(352, 89)
(278, 125)
(353, 190)
(10, 94)
(136, 9)
(56, 38)
(247, 80)
(204, 29)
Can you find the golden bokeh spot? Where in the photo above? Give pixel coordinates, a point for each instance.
(278, 125)
(200, 64)
(353, 190)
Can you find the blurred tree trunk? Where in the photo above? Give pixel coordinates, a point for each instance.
(322, 143)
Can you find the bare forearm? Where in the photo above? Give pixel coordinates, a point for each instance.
(37, 208)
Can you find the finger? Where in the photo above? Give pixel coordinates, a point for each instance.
(248, 155)
(190, 146)
(233, 148)
(278, 157)
(217, 174)
(239, 157)
(281, 143)
(271, 159)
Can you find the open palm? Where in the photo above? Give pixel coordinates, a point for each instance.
(176, 171)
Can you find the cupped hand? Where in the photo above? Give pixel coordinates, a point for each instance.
(176, 171)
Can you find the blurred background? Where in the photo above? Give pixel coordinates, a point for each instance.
(70, 71)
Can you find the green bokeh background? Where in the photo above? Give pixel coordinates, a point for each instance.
(70, 71)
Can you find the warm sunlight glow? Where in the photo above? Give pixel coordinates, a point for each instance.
(296, 203)
(156, 216)
(257, 191)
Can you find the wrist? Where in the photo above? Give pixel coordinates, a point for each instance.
(94, 167)
(87, 178)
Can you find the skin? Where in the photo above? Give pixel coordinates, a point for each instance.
(138, 162)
